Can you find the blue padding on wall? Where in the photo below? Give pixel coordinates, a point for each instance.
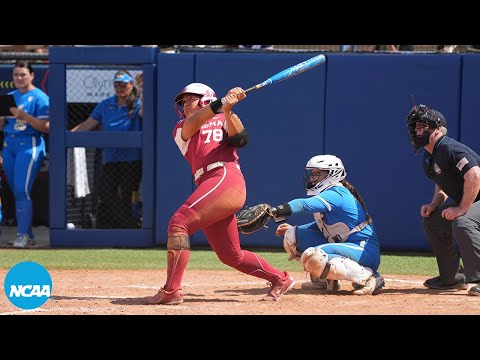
(368, 99)
(470, 115)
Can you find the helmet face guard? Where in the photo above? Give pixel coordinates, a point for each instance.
(425, 115)
(330, 163)
(207, 95)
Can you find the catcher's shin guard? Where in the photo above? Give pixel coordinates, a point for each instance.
(316, 262)
(342, 268)
(178, 254)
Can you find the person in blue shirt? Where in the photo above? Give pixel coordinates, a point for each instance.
(122, 167)
(341, 243)
(24, 146)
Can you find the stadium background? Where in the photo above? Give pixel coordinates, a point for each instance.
(353, 106)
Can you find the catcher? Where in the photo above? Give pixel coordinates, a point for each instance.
(340, 244)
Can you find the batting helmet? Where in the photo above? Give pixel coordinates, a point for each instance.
(206, 93)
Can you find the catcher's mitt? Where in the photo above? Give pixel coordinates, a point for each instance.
(253, 218)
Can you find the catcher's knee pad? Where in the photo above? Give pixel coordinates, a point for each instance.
(315, 261)
(342, 268)
(178, 242)
(290, 243)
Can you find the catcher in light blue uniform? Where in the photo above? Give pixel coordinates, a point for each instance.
(341, 244)
(24, 146)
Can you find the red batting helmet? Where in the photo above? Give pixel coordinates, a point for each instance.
(206, 93)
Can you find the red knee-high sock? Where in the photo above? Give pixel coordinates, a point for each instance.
(177, 261)
(254, 265)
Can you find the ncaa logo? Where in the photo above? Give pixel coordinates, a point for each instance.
(28, 285)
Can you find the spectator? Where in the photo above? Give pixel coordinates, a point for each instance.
(344, 48)
(256, 47)
(24, 146)
(122, 167)
(454, 211)
(446, 48)
(390, 48)
(405, 47)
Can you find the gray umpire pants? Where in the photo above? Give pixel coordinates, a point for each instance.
(442, 234)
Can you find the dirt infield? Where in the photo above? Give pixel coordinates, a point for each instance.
(118, 292)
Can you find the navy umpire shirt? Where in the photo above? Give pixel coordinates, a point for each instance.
(447, 165)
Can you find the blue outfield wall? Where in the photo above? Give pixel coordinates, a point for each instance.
(368, 99)
(470, 110)
(354, 106)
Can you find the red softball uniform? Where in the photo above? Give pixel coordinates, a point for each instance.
(220, 193)
(220, 184)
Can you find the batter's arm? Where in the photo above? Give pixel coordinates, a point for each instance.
(194, 122)
(234, 124)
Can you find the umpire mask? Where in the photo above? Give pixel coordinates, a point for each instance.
(430, 118)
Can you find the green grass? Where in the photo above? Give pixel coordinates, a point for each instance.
(203, 259)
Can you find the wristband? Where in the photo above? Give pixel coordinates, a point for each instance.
(282, 210)
(216, 106)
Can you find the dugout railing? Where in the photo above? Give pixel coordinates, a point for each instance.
(61, 61)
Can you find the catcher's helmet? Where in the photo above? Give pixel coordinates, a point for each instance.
(427, 115)
(330, 163)
(206, 93)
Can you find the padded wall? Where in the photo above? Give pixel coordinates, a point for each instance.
(470, 114)
(368, 99)
(354, 106)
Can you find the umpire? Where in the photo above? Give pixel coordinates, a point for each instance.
(454, 212)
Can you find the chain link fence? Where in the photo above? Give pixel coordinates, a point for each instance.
(103, 191)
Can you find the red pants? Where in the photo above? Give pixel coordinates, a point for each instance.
(212, 207)
(220, 194)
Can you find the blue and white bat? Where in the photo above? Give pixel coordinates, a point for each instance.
(290, 72)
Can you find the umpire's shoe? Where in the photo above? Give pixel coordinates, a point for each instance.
(165, 297)
(279, 287)
(474, 290)
(436, 283)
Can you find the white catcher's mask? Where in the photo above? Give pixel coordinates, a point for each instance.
(330, 163)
